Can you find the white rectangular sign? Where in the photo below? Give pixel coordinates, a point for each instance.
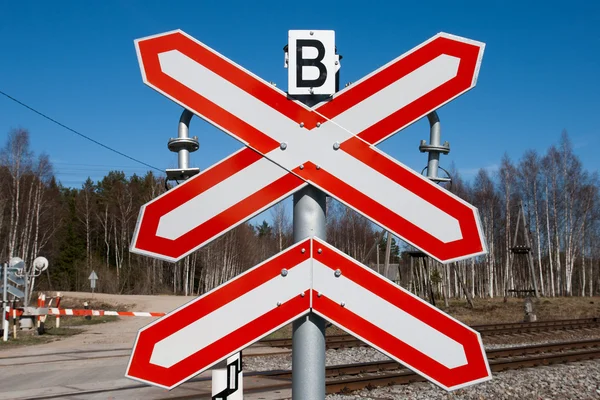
(312, 62)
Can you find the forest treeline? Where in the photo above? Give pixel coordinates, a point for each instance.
(90, 228)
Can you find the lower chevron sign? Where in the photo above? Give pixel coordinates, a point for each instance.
(309, 276)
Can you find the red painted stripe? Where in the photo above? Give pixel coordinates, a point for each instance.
(150, 50)
(468, 54)
(126, 314)
(76, 313)
(469, 244)
(85, 312)
(231, 290)
(353, 323)
(140, 366)
(473, 370)
(148, 240)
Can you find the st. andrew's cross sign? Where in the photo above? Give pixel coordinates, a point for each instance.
(310, 276)
(330, 146)
(289, 145)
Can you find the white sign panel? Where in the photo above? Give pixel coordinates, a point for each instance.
(312, 62)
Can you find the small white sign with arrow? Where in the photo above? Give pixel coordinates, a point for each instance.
(93, 278)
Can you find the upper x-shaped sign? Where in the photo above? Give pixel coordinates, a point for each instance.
(289, 145)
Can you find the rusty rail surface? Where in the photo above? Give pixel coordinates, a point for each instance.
(492, 355)
(496, 365)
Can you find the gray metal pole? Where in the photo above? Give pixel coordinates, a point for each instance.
(434, 140)
(183, 144)
(184, 133)
(388, 248)
(308, 337)
(4, 300)
(308, 332)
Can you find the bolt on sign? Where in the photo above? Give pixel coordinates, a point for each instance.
(331, 146)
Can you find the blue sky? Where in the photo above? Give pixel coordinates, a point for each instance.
(76, 62)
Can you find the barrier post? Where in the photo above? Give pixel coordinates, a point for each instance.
(5, 310)
(57, 322)
(5, 302)
(14, 322)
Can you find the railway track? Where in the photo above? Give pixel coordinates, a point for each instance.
(350, 377)
(345, 341)
(492, 355)
(346, 378)
(499, 361)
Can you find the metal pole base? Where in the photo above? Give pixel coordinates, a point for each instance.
(308, 358)
(308, 337)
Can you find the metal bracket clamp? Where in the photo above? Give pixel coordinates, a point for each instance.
(434, 149)
(178, 174)
(427, 148)
(183, 145)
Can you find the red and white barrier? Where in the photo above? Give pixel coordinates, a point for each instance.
(57, 322)
(44, 306)
(80, 313)
(98, 313)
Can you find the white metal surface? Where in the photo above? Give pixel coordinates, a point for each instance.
(224, 94)
(231, 316)
(399, 94)
(314, 145)
(388, 317)
(219, 198)
(399, 323)
(40, 264)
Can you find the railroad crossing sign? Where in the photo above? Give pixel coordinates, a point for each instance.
(330, 146)
(309, 276)
(13, 279)
(225, 320)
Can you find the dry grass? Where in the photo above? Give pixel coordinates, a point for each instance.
(489, 311)
(94, 304)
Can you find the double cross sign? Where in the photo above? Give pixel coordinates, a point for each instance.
(289, 145)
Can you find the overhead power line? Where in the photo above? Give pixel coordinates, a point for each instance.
(102, 166)
(78, 133)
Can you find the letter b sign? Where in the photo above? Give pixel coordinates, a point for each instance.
(312, 62)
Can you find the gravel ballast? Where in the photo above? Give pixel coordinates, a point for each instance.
(576, 381)
(332, 357)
